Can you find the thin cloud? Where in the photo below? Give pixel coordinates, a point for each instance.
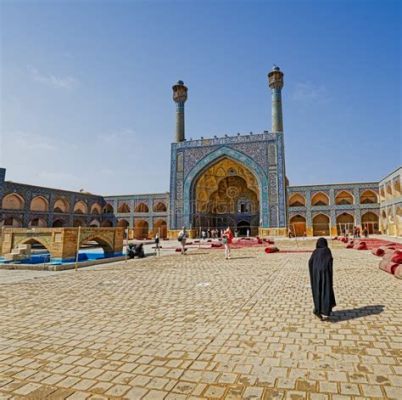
(57, 82)
(118, 137)
(26, 141)
(308, 92)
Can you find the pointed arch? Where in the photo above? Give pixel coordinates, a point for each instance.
(297, 200)
(297, 225)
(397, 186)
(123, 208)
(96, 209)
(61, 206)
(80, 207)
(368, 197)
(345, 223)
(160, 207)
(388, 189)
(320, 199)
(321, 225)
(141, 208)
(344, 197)
(13, 201)
(160, 227)
(35, 240)
(141, 229)
(39, 203)
(106, 246)
(214, 157)
(370, 221)
(108, 209)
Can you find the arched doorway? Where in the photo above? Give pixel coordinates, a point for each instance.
(321, 225)
(243, 228)
(226, 193)
(141, 229)
(297, 225)
(370, 222)
(345, 223)
(160, 227)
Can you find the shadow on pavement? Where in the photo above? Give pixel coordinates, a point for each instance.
(344, 315)
(239, 258)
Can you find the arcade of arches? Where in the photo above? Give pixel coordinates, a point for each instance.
(227, 194)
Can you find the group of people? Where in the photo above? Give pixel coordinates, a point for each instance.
(226, 235)
(356, 232)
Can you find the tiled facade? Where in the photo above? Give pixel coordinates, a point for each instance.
(143, 214)
(262, 154)
(333, 209)
(391, 203)
(28, 205)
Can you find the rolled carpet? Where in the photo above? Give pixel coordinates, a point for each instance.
(398, 271)
(271, 249)
(362, 246)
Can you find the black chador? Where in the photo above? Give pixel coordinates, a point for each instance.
(321, 278)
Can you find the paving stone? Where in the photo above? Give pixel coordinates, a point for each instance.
(155, 332)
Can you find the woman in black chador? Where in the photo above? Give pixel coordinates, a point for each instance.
(320, 266)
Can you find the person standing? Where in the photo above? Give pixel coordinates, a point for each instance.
(182, 239)
(321, 279)
(157, 248)
(227, 241)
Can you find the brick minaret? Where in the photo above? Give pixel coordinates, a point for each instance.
(275, 79)
(180, 97)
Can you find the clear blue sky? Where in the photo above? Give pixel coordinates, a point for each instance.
(86, 87)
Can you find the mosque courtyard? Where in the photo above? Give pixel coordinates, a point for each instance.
(200, 327)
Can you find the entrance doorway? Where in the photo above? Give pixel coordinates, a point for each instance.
(243, 227)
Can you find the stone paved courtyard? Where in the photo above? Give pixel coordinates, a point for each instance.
(200, 327)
